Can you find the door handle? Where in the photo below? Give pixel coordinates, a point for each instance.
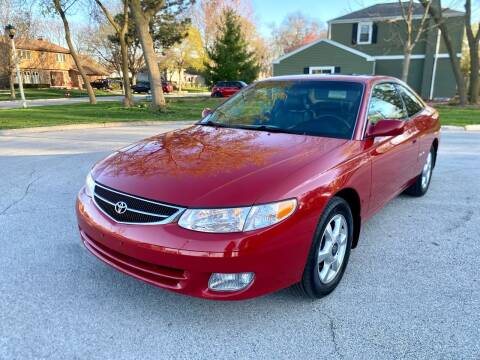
(414, 141)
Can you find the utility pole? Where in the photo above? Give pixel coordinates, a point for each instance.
(10, 31)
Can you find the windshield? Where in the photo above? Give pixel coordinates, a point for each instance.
(319, 108)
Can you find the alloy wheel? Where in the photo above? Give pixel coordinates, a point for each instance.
(332, 248)
(427, 171)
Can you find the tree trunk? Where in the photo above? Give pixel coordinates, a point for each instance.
(73, 52)
(11, 78)
(11, 74)
(436, 13)
(473, 44)
(128, 99)
(142, 25)
(474, 78)
(406, 63)
(179, 79)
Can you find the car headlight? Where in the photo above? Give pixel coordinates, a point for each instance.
(228, 220)
(89, 185)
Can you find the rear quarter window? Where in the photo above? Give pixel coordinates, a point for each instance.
(412, 103)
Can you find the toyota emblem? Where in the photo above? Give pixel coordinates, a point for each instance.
(120, 207)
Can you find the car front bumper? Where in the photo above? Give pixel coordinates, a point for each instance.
(182, 260)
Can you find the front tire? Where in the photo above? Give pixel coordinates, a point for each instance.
(330, 251)
(421, 184)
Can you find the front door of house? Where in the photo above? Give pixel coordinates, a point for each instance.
(56, 78)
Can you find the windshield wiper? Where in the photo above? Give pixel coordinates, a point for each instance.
(212, 123)
(269, 128)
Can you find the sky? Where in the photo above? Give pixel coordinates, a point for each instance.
(274, 11)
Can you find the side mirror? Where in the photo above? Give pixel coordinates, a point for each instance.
(206, 112)
(387, 127)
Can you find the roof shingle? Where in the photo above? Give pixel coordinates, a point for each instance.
(390, 10)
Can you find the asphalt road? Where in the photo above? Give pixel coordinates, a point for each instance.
(411, 289)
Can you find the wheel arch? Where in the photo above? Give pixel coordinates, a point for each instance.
(351, 196)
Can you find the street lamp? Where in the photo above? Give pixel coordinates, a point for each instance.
(11, 31)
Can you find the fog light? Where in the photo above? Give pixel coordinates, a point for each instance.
(230, 282)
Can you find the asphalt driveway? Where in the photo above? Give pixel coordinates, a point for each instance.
(411, 290)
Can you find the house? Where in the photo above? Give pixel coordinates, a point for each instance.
(368, 42)
(187, 78)
(44, 64)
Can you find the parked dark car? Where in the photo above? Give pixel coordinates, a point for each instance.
(227, 88)
(141, 87)
(106, 84)
(144, 87)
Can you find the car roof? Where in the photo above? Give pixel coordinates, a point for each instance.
(322, 77)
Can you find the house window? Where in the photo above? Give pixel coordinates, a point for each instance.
(35, 77)
(27, 77)
(61, 58)
(364, 35)
(322, 70)
(25, 55)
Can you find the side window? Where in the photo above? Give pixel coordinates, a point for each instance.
(412, 104)
(385, 103)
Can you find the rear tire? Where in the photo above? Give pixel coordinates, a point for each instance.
(330, 251)
(217, 95)
(422, 182)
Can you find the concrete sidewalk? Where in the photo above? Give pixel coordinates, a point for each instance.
(17, 104)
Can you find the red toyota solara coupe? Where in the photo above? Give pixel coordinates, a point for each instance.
(266, 191)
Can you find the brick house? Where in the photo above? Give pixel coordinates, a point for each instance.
(44, 64)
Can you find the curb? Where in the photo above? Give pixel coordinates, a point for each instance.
(43, 129)
(472, 127)
(461, 128)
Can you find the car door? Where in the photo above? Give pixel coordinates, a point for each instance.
(228, 89)
(417, 113)
(393, 157)
(231, 88)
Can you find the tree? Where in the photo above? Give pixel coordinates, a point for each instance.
(189, 54)
(60, 8)
(230, 58)
(435, 10)
(208, 14)
(473, 46)
(412, 34)
(144, 12)
(121, 28)
(295, 31)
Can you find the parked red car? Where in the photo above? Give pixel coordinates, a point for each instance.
(167, 87)
(227, 88)
(267, 191)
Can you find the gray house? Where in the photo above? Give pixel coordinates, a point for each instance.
(368, 42)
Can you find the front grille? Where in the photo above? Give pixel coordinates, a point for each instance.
(137, 210)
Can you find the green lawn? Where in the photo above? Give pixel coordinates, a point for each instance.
(181, 109)
(32, 94)
(460, 116)
(177, 109)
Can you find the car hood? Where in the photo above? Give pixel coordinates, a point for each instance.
(210, 166)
